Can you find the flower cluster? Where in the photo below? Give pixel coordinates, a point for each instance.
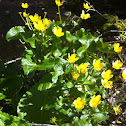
(79, 104)
(83, 14)
(97, 64)
(38, 23)
(106, 75)
(117, 48)
(94, 102)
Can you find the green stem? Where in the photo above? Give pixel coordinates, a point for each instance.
(76, 25)
(59, 14)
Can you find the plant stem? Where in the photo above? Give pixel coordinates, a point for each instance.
(76, 25)
(59, 14)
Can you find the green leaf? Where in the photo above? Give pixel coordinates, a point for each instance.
(90, 80)
(2, 96)
(81, 50)
(79, 122)
(10, 86)
(99, 117)
(85, 38)
(30, 66)
(39, 104)
(70, 37)
(58, 71)
(57, 53)
(14, 33)
(9, 120)
(74, 23)
(28, 37)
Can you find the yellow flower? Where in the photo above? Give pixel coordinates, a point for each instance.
(58, 3)
(82, 68)
(46, 21)
(117, 110)
(119, 121)
(95, 101)
(20, 13)
(25, 14)
(58, 31)
(86, 6)
(107, 75)
(53, 119)
(85, 16)
(117, 64)
(72, 58)
(124, 74)
(75, 75)
(117, 48)
(40, 26)
(35, 18)
(24, 5)
(79, 104)
(97, 65)
(107, 84)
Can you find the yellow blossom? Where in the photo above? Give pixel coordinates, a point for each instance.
(46, 21)
(95, 101)
(117, 64)
(98, 65)
(72, 58)
(75, 75)
(25, 14)
(20, 13)
(86, 6)
(58, 31)
(124, 74)
(24, 5)
(40, 26)
(119, 121)
(107, 75)
(82, 68)
(117, 48)
(107, 84)
(85, 16)
(58, 3)
(117, 110)
(35, 18)
(79, 104)
(53, 119)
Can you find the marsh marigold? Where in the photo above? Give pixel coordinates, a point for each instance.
(95, 101)
(58, 3)
(40, 26)
(124, 74)
(75, 75)
(58, 31)
(107, 74)
(85, 16)
(98, 65)
(117, 48)
(86, 6)
(107, 84)
(79, 104)
(82, 68)
(35, 18)
(25, 5)
(117, 64)
(117, 110)
(72, 58)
